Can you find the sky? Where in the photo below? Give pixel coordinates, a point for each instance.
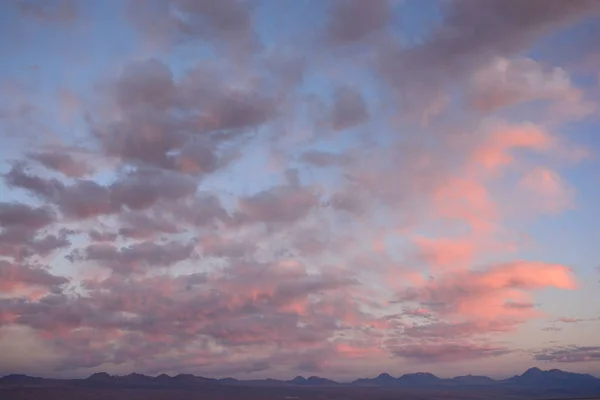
(272, 188)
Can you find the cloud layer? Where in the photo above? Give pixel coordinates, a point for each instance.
(218, 203)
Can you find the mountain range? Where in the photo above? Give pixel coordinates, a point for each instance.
(533, 378)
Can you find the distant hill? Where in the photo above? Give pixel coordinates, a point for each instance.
(472, 380)
(534, 380)
(312, 381)
(418, 379)
(20, 379)
(554, 378)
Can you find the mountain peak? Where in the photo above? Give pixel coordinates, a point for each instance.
(385, 376)
(99, 376)
(534, 370)
(418, 378)
(421, 375)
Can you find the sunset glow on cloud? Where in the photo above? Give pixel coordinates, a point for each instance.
(293, 187)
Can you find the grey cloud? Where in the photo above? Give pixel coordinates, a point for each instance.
(353, 20)
(471, 35)
(349, 109)
(569, 354)
(61, 161)
(23, 215)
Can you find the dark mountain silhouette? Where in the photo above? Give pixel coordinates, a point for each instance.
(299, 380)
(317, 381)
(100, 376)
(229, 381)
(554, 378)
(137, 378)
(415, 379)
(418, 379)
(383, 379)
(472, 380)
(20, 379)
(534, 380)
(163, 378)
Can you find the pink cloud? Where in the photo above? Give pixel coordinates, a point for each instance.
(547, 190)
(483, 294)
(497, 150)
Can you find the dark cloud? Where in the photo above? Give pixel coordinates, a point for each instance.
(101, 236)
(349, 109)
(519, 305)
(59, 11)
(320, 158)
(143, 188)
(146, 224)
(23, 215)
(135, 257)
(447, 352)
(146, 85)
(568, 320)
(144, 138)
(22, 243)
(551, 329)
(61, 161)
(457, 330)
(203, 210)
(46, 245)
(280, 204)
(353, 20)
(179, 125)
(138, 189)
(173, 22)
(19, 176)
(472, 34)
(349, 200)
(15, 276)
(569, 354)
(85, 199)
(221, 247)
